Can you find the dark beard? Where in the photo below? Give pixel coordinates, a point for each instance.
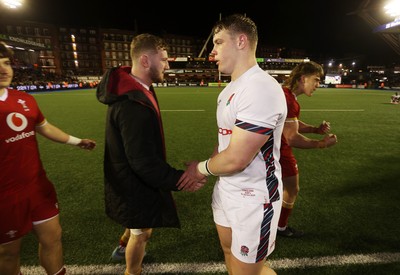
(155, 76)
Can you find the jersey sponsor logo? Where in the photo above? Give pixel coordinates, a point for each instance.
(20, 136)
(17, 121)
(224, 132)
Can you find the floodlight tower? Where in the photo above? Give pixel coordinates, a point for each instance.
(390, 32)
(9, 8)
(12, 4)
(393, 9)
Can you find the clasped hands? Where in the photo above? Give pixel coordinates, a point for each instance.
(191, 180)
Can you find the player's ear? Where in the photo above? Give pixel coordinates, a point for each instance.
(242, 41)
(144, 60)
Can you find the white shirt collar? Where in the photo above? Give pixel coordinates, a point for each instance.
(4, 96)
(141, 82)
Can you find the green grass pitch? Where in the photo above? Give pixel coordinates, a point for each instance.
(348, 202)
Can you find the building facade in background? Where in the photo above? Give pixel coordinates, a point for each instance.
(65, 54)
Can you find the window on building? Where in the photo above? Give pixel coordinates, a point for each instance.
(10, 29)
(28, 31)
(49, 62)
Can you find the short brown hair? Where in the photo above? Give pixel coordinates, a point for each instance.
(5, 52)
(146, 42)
(236, 24)
(305, 68)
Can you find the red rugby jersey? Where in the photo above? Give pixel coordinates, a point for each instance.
(20, 163)
(293, 113)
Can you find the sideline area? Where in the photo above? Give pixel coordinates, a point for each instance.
(219, 267)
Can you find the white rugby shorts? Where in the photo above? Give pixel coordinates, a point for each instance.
(254, 226)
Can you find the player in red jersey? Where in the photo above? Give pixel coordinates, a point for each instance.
(28, 201)
(304, 79)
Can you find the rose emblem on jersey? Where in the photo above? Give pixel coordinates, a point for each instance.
(244, 250)
(230, 99)
(16, 121)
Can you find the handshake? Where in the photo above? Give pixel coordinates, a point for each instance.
(191, 180)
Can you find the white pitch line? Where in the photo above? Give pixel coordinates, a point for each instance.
(219, 267)
(332, 110)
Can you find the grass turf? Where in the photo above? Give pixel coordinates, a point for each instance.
(348, 202)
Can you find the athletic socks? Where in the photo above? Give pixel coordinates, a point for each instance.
(123, 241)
(283, 219)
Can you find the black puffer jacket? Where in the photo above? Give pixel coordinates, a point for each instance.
(138, 180)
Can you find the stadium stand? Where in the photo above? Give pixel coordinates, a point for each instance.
(62, 57)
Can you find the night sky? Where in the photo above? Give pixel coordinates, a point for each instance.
(317, 26)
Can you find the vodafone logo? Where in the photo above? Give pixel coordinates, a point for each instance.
(17, 121)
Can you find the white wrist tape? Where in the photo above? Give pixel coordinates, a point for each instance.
(202, 167)
(73, 140)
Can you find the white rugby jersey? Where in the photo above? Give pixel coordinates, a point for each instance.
(254, 102)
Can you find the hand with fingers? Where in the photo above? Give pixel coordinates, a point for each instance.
(323, 128)
(191, 180)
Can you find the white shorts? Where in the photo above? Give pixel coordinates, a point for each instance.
(254, 226)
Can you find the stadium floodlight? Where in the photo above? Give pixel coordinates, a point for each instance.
(393, 8)
(12, 4)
